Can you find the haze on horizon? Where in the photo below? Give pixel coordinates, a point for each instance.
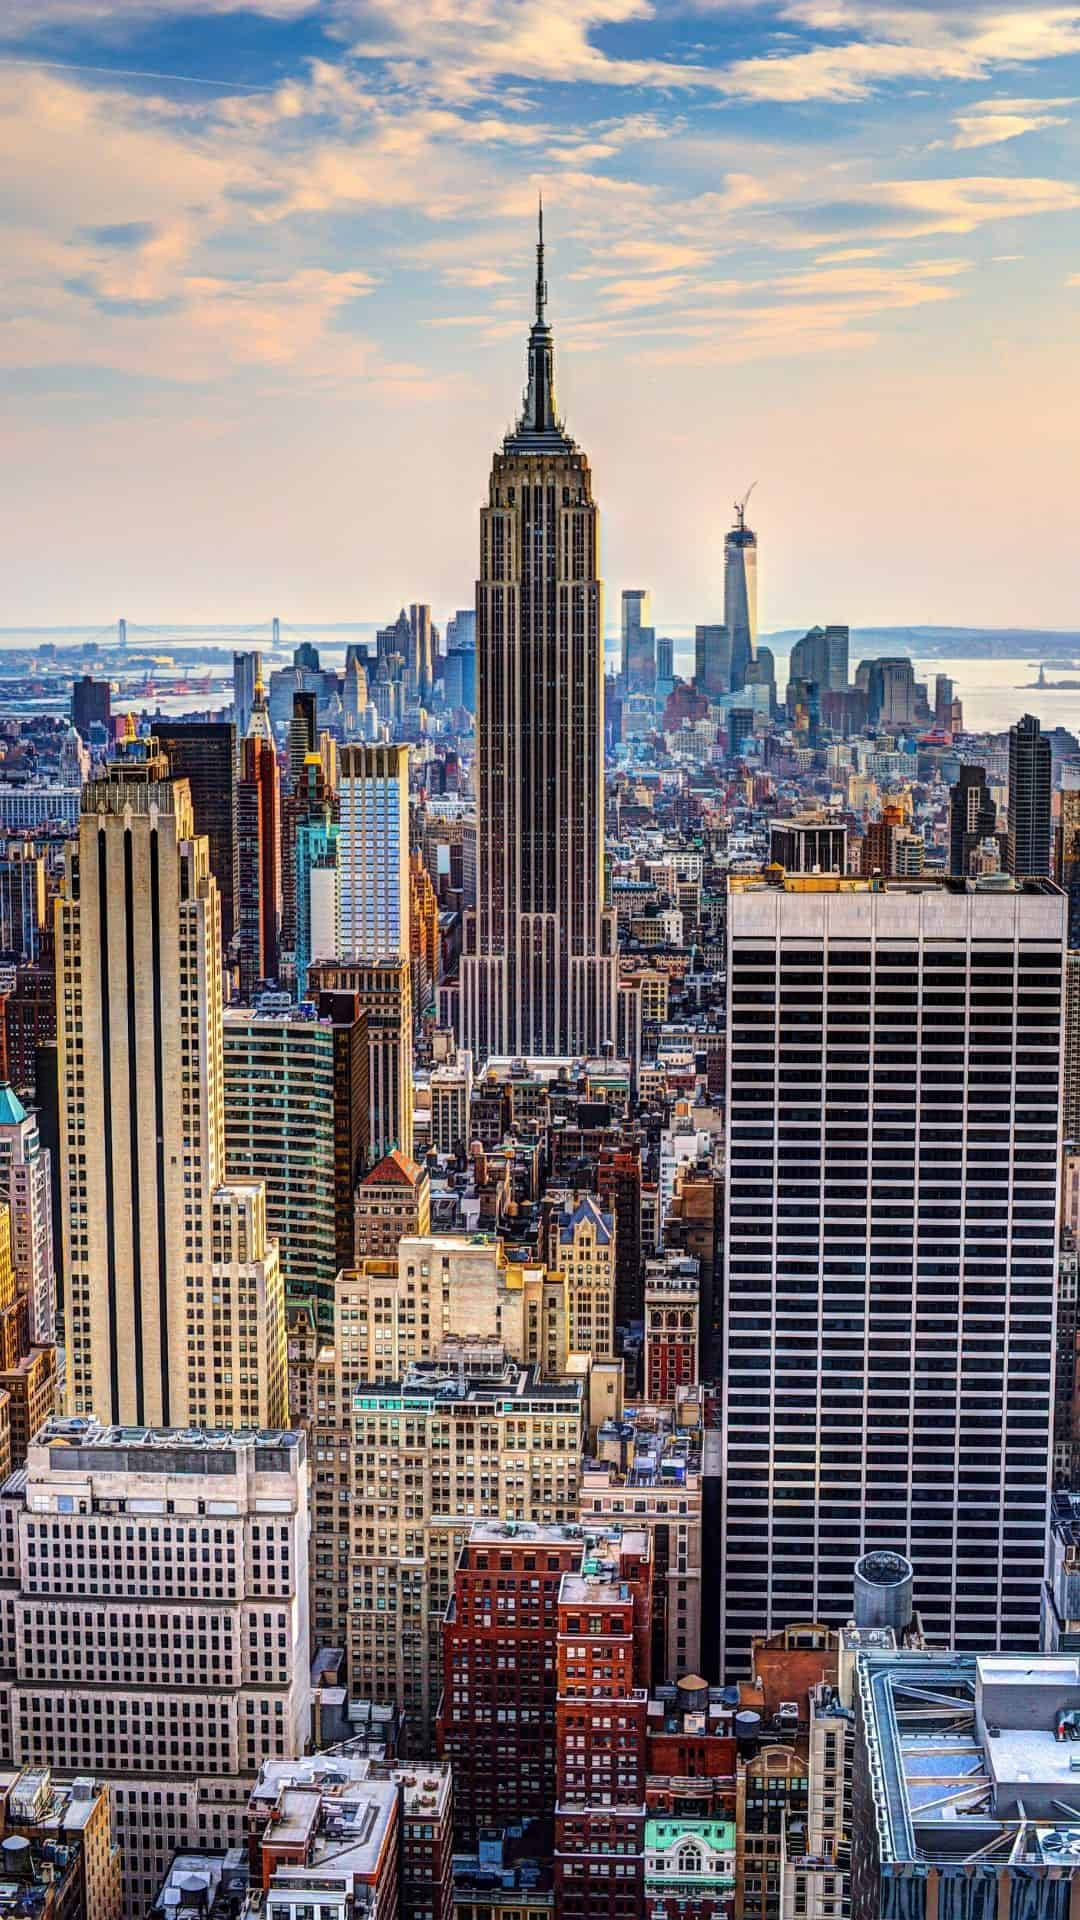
(269, 278)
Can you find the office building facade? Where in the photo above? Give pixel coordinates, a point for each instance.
(279, 1130)
(539, 970)
(902, 1396)
(1030, 791)
(26, 1185)
(22, 900)
(142, 1123)
(258, 858)
(382, 992)
(205, 1544)
(203, 752)
(373, 852)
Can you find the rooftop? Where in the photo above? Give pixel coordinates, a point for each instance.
(517, 1533)
(973, 1758)
(777, 881)
(394, 1170)
(429, 1383)
(76, 1431)
(717, 1834)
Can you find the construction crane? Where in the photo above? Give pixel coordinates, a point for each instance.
(740, 506)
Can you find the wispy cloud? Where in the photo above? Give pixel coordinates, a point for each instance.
(988, 122)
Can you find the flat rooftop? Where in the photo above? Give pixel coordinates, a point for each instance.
(973, 1757)
(518, 1533)
(428, 1384)
(61, 1431)
(593, 1590)
(779, 881)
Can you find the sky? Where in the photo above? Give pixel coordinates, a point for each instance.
(268, 277)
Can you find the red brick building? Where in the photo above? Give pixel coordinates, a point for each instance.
(604, 1620)
(496, 1720)
(671, 1326)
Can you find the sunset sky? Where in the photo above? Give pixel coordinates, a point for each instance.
(268, 275)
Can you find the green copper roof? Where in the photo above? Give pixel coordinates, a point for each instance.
(717, 1834)
(11, 1107)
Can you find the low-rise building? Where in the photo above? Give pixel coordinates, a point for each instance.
(392, 1201)
(60, 1857)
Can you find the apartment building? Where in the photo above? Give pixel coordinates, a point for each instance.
(154, 1608)
(658, 1467)
(586, 1256)
(425, 1457)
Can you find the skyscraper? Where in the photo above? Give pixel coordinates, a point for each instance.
(91, 704)
(22, 899)
(258, 859)
(155, 1248)
(1030, 784)
(26, 1185)
(203, 752)
(540, 972)
(822, 656)
(383, 995)
(972, 819)
(373, 852)
(740, 595)
(279, 1131)
(421, 652)
(1069, 853)
(712, 661)
(890, 1249)
(247, 668)
(638, 642)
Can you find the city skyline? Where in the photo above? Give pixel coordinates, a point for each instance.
(259, 247)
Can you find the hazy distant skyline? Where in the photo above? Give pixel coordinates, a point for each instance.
(268, 278)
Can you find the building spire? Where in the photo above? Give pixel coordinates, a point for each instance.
(541, 283)
(539, 420)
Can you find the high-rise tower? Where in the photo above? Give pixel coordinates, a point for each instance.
(1030, 789)
(740, 594)
(890, 1235)
(173, 1292)
(539, 973)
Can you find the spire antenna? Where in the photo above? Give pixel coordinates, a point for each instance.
(541, 283)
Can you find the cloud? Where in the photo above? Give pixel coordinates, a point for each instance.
(915, 209)
(987, 122)
(892, 44)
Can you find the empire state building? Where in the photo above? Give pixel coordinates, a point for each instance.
(539, 971)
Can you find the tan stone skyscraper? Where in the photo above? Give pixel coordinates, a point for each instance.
(156, 1248)
(539, 972)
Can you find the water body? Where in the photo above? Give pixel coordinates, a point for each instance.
(994, 692)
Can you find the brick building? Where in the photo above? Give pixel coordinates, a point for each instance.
(393, 1200)
(671, 1326)
(497, 1715)
(602, 1671)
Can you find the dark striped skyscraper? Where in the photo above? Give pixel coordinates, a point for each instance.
(1030, 786)
(539, 972)
(890, 1248)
